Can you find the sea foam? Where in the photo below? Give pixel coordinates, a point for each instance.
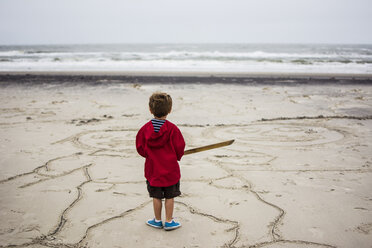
(193, 58)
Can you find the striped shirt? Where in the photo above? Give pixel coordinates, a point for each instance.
(157, 124)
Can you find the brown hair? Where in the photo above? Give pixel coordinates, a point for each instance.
(160, 104)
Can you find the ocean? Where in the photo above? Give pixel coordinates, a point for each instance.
(240, 58)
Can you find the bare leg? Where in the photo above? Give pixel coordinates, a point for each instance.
(157, 208)
(169, 205)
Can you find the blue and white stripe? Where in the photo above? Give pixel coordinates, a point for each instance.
(157, 124)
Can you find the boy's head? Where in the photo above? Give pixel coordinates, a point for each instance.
(160, 104)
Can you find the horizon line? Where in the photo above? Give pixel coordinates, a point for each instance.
(182, 43)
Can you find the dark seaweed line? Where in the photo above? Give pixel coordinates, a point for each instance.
(314, 170)
(367, 117)
(72, 79)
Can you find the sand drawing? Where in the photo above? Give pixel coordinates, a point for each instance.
(251, 190)
(121, 141)
(288, 134)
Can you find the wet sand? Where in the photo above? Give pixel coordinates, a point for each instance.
(298, 174)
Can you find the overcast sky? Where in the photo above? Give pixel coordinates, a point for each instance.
(186, 21)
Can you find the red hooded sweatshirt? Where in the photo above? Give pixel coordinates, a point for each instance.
(162, 150)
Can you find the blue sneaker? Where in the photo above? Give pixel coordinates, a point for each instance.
(171, 225)
(154, 223)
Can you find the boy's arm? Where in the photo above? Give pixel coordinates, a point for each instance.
(178, 143)
(140, 143)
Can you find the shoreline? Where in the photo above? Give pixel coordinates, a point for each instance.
(113, 77)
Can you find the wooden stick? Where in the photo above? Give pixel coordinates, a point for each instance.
(204, 148)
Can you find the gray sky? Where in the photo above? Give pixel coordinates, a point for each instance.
(186, 21)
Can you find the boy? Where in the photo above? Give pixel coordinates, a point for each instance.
(162, 144)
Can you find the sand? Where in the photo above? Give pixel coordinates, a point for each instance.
(298, 174)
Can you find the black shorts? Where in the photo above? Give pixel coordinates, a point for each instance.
(164, 192)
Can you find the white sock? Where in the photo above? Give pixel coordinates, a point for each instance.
(157, 220)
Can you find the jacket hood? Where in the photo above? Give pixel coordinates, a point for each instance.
(158, 139)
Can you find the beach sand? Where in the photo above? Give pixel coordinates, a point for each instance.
(299, 173)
